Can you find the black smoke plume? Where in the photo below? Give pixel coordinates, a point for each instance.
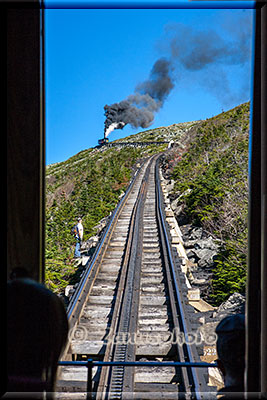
(138, 109)
(200, 56)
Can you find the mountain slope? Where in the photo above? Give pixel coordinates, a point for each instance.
(211, 188)
(209, 168)
(89, 185)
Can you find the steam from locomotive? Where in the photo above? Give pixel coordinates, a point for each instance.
(199, 57)
(138, 109)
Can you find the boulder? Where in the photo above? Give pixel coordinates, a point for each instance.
(174, 204)
(101, 225)
(208, 243)
(196, 233)
(186, 228)
(235, 304)
(170, 185)
(200, 247)
(192, 256)
(178, 211)
(205, 257)
(91, 242)
(190, 244)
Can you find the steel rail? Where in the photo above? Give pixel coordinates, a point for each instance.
(79, 297)
(125, 321)
(118, 302)
(181, 350)
(90, 364)
(135, 263)
(97, 251)
(196, 377)
(190, 379)
(187, 364)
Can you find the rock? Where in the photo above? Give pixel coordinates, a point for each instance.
(101, 225)
(208, 243)
(170, 185)
(233, 305)
(85, 260)
(196, 233)
(199, 249)
(69, 290)
(179, 210)
(205, 257)
(121, 195)
(189, 244)
(199, 281)
(186, 192)
(91, 242)
(192, 256)
(174, 204)
(186, 228)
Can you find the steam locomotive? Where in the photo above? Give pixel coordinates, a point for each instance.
(101, 142)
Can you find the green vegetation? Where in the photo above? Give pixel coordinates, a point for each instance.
(212, 180)
(89, 185)
(210, 169)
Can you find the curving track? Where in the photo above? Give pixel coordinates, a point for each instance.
(131, 305)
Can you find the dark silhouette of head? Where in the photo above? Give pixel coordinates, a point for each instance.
(37, 329)
(231, 349)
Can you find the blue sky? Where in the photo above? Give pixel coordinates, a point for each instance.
(96, 57)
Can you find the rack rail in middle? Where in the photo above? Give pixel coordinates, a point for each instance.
(131, 311)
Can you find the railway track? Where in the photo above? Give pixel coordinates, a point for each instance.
(131, 305)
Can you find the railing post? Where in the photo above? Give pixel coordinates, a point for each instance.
(89, 379)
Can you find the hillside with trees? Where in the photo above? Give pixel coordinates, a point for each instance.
(209, 168)
(88, 185)
(211, 188)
